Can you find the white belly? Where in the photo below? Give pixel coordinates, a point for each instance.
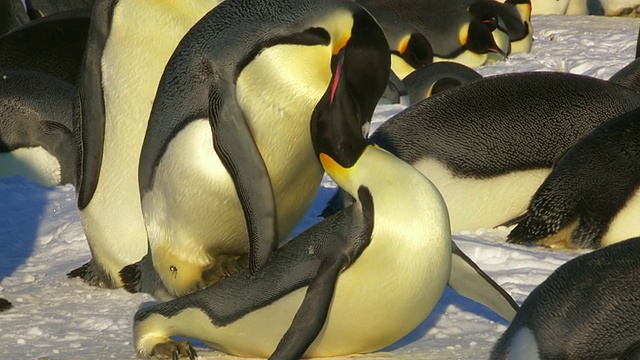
(483, 203)
(132, 64)
(35, 164)
(193, 205)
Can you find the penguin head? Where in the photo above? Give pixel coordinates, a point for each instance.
(415, 50)
(485, 33)
(340, 121)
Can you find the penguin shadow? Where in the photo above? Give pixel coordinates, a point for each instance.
(449, 297)
(22, 205)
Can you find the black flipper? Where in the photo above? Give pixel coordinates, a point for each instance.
(235, 145)
(312, 314)
(468, 280)
(90, 130)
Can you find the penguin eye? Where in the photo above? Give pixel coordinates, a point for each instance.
(491, 22)
(173, 269)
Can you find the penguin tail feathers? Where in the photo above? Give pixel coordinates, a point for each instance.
(543, 230)
(4, 305)
(80, 272)
(515, 220)
(130, 276)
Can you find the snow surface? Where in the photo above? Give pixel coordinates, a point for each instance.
(41, 239)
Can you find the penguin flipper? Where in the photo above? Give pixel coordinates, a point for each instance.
(90, 128)
(468, 280)
(4, 305)
(312, 314)
(236, 147)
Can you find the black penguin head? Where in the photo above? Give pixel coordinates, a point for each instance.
(341, 119)
(482, 28)
(417, 51)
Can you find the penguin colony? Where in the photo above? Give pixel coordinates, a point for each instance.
(196, 148)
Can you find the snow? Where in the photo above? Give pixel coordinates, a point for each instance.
(41, 239)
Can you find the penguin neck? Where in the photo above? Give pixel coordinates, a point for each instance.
(407, 206)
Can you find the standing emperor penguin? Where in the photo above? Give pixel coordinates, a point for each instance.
(591, 198)
(36, 122)
(227, 168)
(129, 44)
(356, 282)
(485, 154)
(587, 309)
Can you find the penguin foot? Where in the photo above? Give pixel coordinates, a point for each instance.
(225, 266)
(4, 305)
(174, 350)
(93, 275)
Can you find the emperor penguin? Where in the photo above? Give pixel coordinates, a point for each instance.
(586, 309)
(485, 154)
(36, 123)
(12, 14)
(128, 46)
(453, 33)
(516, 15)
(591, 198)
(354, 283)
(223, 177)
(54, 45)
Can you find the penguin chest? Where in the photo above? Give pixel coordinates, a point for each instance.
(277, 93)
